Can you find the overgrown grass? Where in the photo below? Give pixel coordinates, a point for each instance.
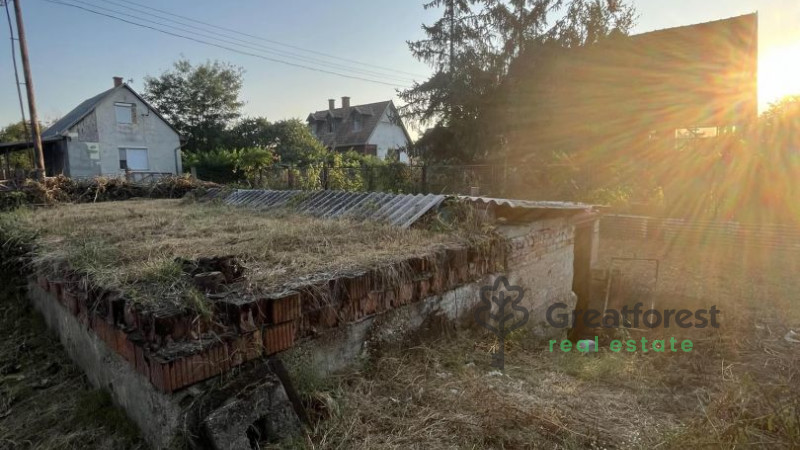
(132, 245)
(736, 389)
(46, 401)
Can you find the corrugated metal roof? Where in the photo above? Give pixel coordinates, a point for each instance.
(397, 209)
(527, 204)
(402, 210)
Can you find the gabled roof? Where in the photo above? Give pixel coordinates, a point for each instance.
(63, 124)
(344, 135)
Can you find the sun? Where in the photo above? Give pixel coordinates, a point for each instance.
(778, 73)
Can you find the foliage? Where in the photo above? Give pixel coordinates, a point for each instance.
(15, 132)
(198, 100)
(215, 165)
(234, 165)
(345, 173)
(11, 200)
(471, 48)
(61, 189)
(290, 139)
(249, 132)
(780, 124)
(295, 144)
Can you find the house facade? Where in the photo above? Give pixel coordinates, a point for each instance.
(111, 134)
(372, 129)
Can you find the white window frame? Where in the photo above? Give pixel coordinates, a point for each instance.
(124, 111)
(127, 150)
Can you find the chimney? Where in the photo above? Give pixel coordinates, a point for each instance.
(117, 81)
(331, 104)
(345, 102)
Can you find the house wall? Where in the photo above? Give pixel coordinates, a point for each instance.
(387, 136)
(100, 130)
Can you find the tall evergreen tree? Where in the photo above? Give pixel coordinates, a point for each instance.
(471, 49)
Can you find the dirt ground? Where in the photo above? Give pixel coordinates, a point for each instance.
(735, 389)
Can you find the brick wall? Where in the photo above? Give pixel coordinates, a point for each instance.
(175, 348)
(540, 261)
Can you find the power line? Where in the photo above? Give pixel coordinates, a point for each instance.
(225, 47)
(392, 72)
(16, 70)
(247, 44)
(263, 38)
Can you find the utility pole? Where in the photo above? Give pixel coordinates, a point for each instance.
(16, 79)
(26, 67)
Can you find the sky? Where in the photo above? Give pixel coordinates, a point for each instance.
(74, 53)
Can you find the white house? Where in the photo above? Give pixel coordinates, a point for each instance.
(110, 134)
(372, 128)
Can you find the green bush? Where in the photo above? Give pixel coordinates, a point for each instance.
(11, 200)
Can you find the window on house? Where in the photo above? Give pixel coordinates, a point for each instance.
(356, 122)
(331, 126)
(133, 159)
(125, 112)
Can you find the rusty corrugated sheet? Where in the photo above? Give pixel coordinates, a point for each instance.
(401, 210)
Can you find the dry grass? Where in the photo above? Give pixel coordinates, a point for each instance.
(133, 244)
(45, 400)
(737, 388)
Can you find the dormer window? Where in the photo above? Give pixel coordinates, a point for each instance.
(356, 122)
(331, 125)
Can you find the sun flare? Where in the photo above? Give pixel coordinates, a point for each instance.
(778, 73)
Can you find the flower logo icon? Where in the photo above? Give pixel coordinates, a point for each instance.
(500, 312)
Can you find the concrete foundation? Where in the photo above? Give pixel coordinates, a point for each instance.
(225, 405)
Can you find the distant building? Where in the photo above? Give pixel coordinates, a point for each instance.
(635, 92)
(113, 133)
(372, 128)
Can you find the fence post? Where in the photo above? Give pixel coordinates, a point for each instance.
(325, 176)
(290, 176)
(424, 180)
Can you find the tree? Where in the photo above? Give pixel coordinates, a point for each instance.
(780, 124)
(15, 132)
(473, 45)
(290, 139)
(295, 144)
(458, 48)
(200, 101)
(250, 132)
